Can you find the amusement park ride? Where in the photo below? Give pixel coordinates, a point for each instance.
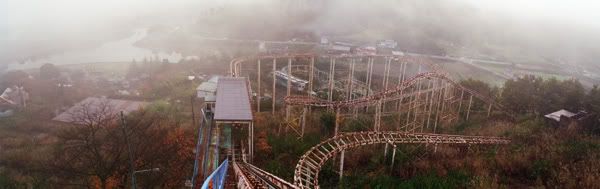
(418, 101)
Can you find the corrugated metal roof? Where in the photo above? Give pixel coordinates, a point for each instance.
(233, 100)
(210, 85)
(556, 115)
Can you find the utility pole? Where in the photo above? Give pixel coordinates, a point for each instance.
(131, 167)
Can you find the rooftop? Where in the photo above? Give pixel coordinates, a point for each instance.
(210, 85)
(94, 106)
(233, 100)
(556, 115)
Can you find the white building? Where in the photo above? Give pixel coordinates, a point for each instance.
(208, 90)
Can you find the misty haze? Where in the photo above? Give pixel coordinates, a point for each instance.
(299, 94)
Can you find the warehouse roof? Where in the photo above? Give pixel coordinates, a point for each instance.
(233, 100)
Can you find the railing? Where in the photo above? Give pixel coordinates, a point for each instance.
(217, 178)
(198, 143)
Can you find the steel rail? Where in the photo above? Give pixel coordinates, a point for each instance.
(311, 101)
(250, 176)
(307, 170)
(236, 62)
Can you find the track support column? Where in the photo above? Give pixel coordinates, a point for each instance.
(304, 111)
(258, 91)
(331, 79)
(469, 107)
(289, 79)
(337, 121)
(342, 164)
(273, 98)
(310, 76)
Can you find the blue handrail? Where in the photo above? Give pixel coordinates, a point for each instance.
(217, 178)
(198, 143)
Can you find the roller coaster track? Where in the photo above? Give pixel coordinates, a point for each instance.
(360, 87)
(235, 64)
(250, 176)
(311, 101)
(307, 170)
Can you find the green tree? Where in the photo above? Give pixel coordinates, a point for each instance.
(49, 71)
(522, 95)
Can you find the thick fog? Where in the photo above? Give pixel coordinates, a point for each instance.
(555, 30)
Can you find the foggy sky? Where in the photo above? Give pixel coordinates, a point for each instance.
(32, 27)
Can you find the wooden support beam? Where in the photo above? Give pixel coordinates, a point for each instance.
(258, 90)
(273, 98)
(469, 107)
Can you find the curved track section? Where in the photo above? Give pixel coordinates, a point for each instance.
(307, 170)
(312, 101)
(235, 64)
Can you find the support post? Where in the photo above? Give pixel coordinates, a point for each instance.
(469, 107)
(399, 108)
(350, 79)
(289, 78)
(369, 74)
(386, 73)
(258, 92)
(437, 106)
(378, 115)
(385, 149)
(393, 157)
(337, 121)
(304, 111)
(311, 75)
(331, 78)
(489, 112)
(462, 94)
(342, 164)
(274, 87)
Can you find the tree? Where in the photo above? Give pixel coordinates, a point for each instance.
(94, 152)
(522, 95)
(13, 78)
(49, 71)
(592, 100)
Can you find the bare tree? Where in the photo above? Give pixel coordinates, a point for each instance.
(93, 152)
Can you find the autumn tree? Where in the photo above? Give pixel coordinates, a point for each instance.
(94, 152)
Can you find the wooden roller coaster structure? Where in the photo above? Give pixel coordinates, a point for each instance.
(306, 174)
(419, 102)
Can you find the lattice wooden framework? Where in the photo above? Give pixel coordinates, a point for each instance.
(306, 174)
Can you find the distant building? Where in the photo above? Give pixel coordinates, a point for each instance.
(297, 83)
(564, 118)
(324, 41)
(388, 44)
(91, 109)
(397, 53)
(12, 98)
(208, 90)
(366, 50)
(339, 49)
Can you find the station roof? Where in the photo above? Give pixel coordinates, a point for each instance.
(233, 100)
